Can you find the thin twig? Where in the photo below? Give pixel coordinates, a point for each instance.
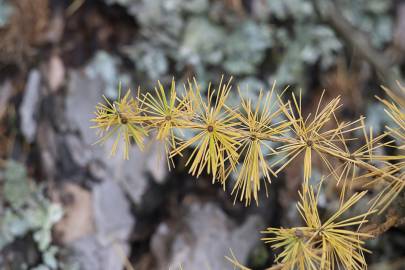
(392, 220)
(331, 15)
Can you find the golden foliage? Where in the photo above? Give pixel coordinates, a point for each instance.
(215, 138)
(391, 174)
(164, 114)
(123, 119)
(321, 245)
(395, 110)
(258, 124)
(243, 141)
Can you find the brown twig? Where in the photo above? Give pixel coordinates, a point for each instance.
(331, 15)
(392, 220)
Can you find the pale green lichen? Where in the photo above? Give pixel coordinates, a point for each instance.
(27, 210)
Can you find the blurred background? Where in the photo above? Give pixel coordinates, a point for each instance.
(65, 204)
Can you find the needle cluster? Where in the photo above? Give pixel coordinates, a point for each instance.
(255, 141)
